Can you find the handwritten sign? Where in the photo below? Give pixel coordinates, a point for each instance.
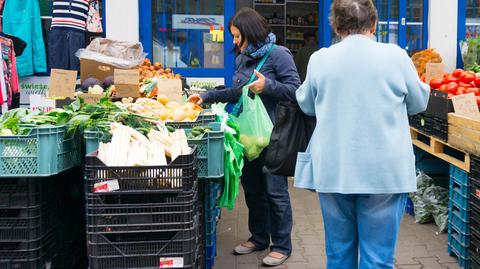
(466, 105)
(91, 98)
(126, 82)
(434, 70)
(62, 83)
(171, 88)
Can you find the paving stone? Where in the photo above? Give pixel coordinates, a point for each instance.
(419, 246)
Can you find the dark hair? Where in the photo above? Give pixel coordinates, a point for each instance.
(253, 27)
(352, 16)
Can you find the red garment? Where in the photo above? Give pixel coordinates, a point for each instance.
(14, 77)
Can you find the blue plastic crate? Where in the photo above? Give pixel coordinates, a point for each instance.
(455, 219)
(460, 187)
(211, 249)
(463, 260)
(210, 236)
(463, 212)
(409, 207)
(92, 139)
(461, 200)
(459, 175)
(460, 237)
(209, 263)
(205, 117)
(44, 152)
(210, 152)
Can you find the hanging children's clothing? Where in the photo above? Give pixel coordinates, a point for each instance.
(67, 33)
(8, 72)
(22, 19)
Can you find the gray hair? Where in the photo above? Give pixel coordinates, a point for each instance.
(352, 16)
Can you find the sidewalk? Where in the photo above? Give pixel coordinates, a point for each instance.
(419, 246)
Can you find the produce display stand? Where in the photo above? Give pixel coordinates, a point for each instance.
(461, 153)
(441, 149)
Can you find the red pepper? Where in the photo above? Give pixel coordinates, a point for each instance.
(477, 79)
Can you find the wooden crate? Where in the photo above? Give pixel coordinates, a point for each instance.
(441, 149)
(464, 133)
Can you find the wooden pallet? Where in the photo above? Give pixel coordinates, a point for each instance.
(440, 149)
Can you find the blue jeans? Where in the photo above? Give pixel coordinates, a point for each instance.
(269, 208)
(361, 224)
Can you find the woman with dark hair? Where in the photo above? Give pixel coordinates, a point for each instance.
(360, 158)
(266, 195)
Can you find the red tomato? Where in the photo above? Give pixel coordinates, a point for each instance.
(460, 90)
(449, 79)
(478, 100)
(476, 91)
(477, 79)
(466, 85)
(468, 77)
(452, 87)
(443, 88)
(435, 83)
(457, 72)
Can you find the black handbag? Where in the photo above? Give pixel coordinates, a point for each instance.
(291, 133)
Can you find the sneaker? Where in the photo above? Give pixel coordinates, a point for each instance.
(245, 248)
(274, 259)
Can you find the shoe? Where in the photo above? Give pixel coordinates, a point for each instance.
(245, 248)
(269, 260)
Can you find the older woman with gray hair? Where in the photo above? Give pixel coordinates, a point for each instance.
(360, 159)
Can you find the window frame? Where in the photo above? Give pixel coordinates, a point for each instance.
(146, 38)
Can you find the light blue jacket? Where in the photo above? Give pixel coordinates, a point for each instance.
(361, 92)
(22, 19)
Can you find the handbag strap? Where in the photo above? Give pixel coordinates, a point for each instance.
(237, 107)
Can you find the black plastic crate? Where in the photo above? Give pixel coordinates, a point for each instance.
(176, 177)
(98, 199)
(31, 223)
(439, 105)
(27, 192)
(475, 244)
(142, 250)
(475, 263)
(141, 217)
(28, 254)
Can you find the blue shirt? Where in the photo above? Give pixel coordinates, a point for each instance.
(361, 93)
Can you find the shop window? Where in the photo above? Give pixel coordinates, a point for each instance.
(472, 23)
(181, 33)
(414, 26)
(387, 28)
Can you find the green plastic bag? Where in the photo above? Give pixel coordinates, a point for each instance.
(255, 125)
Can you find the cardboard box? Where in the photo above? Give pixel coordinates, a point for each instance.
(95, 69)
(91, 68)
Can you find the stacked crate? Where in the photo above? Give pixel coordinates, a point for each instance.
(143, 217)
(475, 213)
(28, 215)
(211, 190)
(210, 154)
(458, 218)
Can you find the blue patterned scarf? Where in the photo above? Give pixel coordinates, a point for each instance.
(261, 49)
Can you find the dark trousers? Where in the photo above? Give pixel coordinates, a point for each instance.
(62, 46)
(270, 211)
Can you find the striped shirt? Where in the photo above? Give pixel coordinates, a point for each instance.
(71, 14)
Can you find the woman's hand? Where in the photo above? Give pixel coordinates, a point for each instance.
(258, 85)
(196, 99)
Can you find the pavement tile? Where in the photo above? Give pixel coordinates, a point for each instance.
(419, 246)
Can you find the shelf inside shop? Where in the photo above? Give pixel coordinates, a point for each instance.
(302, 2)
(302, 26)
